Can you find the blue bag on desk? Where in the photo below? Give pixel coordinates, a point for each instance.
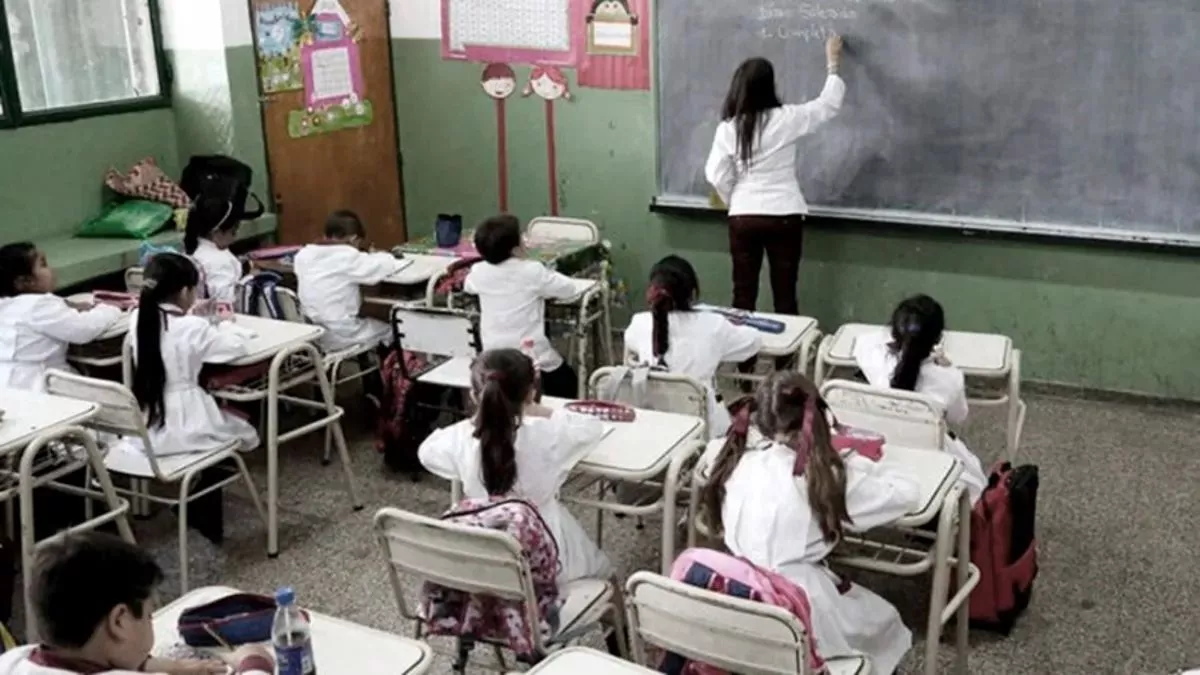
(237, 619)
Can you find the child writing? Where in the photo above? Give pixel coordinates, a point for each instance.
(211, 230)
(517, 447)
(675, 337)
(36, 326)
(912, 361)
(329, 275)
(170, 347)
(784, 501)
(512, 294)
(107, 627)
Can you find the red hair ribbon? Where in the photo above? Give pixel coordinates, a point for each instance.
(804, 446)
(741, 421)
(656, 294)
(494, 376)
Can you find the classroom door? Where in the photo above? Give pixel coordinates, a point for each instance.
(320, 163)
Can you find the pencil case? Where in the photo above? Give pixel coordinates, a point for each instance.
(237, 619)
(759, 323)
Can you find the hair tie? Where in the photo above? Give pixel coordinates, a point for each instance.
(741, 422)
(149, 284)
(804, 445)
(655, 294)
(494, 376)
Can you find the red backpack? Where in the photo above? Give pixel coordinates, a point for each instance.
(1003, 547)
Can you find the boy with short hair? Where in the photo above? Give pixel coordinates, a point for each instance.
(512, 292)
(92, 596)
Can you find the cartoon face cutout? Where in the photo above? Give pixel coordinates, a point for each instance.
(547, 88)
(498, 81)
(611, 10)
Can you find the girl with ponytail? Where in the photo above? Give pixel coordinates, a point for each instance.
(672, 336)
(782, 497)
(212, 228)
(908, 357)
(170, 347)
(514, 446)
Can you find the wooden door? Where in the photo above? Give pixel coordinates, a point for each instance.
(356, 168)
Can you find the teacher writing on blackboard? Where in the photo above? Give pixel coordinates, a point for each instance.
(752, 168)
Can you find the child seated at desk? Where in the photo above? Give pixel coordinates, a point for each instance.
(170, 347)
(211, 229)
(515, 446)
(512, 301)
(783, 499)
(106, 627)
(911, 360)
(676, 338)
(36, 326)
(329, 277)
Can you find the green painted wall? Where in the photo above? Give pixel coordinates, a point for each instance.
(1104, 317)
(51, 176)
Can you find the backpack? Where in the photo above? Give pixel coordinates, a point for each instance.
(1004, 547)
(223, 178)
(260, 291)
(473, 618)
(408, 411)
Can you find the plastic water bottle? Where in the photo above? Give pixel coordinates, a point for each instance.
(291, 636)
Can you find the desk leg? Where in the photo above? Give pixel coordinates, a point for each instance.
(941, 577)
(819, 367)
(963, 577)
(273, 452)
(339, 438)
(1016, 407)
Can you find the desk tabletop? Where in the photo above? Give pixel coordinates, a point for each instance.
(455, 373)
(420, 269)
(27, 415)
(637, 449)
(339, 646)
(273, 336)
(580, 660)
(983, 354)
(795, 328)
(934, 471)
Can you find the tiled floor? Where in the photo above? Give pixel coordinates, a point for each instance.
(1119, 526)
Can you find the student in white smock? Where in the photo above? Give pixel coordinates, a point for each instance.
(211, 230)
(784, 501)
(329, 279)
(36, 326)
(170, 347)
(679, 339)
(516, 447)
(910, 359)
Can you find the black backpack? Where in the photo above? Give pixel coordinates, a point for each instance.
(223, 178)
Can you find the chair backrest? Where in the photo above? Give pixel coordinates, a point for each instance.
(437, 332)
(733, 634)
(904, 418)
(119, 412)
(133, 279)
(461, 557)
(289, 302)
(661, 391)
(557, 227)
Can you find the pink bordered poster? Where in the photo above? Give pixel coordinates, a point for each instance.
(513, 31)
(332, 71)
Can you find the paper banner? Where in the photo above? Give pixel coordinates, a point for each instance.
(512, 31)
(304, 123)
(278, 29)
(617, 38)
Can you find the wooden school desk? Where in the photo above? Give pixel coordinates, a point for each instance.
(30, 422)
(294, 361)
(339, 646)
(984, 356)
(942, 500)
(584, 661)
(640, 452)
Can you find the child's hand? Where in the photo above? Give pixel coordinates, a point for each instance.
(251, 658)
(81, 305)
(186, 667)
(940, 358)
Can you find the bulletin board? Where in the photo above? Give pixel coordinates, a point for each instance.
(512, 31)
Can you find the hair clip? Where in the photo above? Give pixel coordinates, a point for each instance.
(494, 376)
(149, 284)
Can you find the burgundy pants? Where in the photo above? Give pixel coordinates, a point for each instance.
(782, 239)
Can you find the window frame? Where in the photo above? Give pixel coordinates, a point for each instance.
(12, 116)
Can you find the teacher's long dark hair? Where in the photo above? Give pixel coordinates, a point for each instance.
(166, 276)
(751, 96)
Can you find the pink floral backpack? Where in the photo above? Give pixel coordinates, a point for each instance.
(479, 618)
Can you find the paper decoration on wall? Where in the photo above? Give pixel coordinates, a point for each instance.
(310, 122)
(512, 31)
(549, 84)
(617, 55)
(278, 29)
(499, 82)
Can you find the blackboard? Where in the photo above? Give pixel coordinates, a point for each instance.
(1070, 117)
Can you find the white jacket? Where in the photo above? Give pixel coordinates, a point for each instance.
(329, 278)
(35, 331)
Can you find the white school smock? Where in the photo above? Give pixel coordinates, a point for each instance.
(768, 521)
(946, 385)
(221, 268)
(192, 420)
(768, 185)
(547, 449)
(17, 662)
(329, 278)
(35, 331)
(698, 343)
(512, 305)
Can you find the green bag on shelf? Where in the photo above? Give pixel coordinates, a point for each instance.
(134, 219)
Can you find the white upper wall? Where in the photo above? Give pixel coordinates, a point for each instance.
(420, 19)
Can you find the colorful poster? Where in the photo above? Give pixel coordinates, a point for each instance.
(278, 29)
(311, 122)
(524, 32)
(617, 53)
(332, 71)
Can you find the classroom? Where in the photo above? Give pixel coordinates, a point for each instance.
(344, 191)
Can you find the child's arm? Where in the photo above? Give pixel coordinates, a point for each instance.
(956, 396)
(372, 268)
(574, 437)
(58, 320)
(737, 343)
(555, 286)
(720, 170)
(439, 452)
(877, 493)
(218, 346)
